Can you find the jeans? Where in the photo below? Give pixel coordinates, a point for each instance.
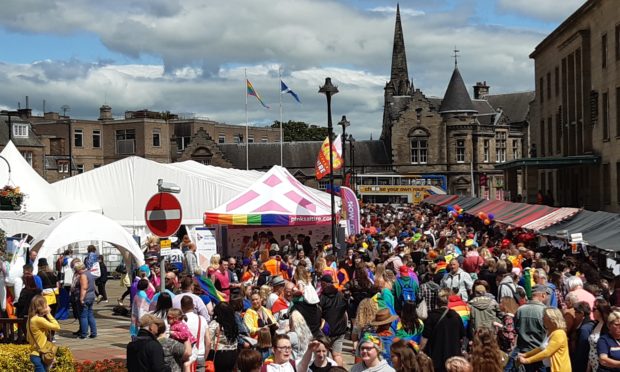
(511, 365)
(87, 318)
(38, 364)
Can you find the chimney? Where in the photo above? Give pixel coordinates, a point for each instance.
(481, 90)
(105, 113)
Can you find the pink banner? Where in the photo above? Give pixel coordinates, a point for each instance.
(350, 210)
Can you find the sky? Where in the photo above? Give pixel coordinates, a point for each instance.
(191, 57)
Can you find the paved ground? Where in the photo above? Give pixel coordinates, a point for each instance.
(113, 333)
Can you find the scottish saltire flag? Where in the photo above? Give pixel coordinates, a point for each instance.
(284, 89)
(253, 92)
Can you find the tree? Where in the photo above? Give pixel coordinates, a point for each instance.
(300, 131)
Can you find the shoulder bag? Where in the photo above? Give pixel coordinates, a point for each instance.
(47, 352)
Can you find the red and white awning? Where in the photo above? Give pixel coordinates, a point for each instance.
(552, 218)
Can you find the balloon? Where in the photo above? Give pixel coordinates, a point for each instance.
(457, 207)
(491, 216)
(461, 212)
(450, 208)
(461, 216)
(487, 221)
(482, 216)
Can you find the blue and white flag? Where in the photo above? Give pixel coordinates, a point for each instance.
(284, 89)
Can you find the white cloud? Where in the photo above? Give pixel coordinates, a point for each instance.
(547, 10)
(206, 46)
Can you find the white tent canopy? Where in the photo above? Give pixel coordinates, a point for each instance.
(86, 226)
(40, 195)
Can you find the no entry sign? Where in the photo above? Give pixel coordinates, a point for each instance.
(163, 214)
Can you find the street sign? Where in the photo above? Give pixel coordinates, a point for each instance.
(165, 247)
(163, 214)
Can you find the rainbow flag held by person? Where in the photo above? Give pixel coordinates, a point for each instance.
(209, 288)
(253, 92)
(441, 267)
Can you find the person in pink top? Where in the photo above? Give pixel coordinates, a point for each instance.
(575, 285)
(221, 280)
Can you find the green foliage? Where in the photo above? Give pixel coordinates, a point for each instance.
(300, 131)
(17, 358)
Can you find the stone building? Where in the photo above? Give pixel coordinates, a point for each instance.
(575, 116)
(19, 131)
(453, 136)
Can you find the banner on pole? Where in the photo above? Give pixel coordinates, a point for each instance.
(322, 162)
(351, 210)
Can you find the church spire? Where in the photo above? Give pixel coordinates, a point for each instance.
(399, 74)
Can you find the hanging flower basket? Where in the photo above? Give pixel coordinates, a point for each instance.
(11, 198)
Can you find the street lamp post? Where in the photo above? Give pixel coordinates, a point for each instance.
(352, 157)
(344, 123)
(329, 90)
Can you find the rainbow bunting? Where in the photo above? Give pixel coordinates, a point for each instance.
(253, 92)
(207, 286)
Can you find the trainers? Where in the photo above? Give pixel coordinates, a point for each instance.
(120, 301)
(105, 301)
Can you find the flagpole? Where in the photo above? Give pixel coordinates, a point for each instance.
(247, 157)
(281, 137)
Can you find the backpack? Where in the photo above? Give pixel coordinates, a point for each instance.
(408, 294)
(515, 294)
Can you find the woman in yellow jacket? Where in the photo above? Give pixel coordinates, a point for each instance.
(40, 323)
(555, 345)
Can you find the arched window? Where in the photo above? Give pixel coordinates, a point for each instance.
(419, 146)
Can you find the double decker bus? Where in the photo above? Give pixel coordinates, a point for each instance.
(399, 189)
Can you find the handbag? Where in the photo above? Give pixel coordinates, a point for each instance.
(421, 309)
(47, 352)
(210, 364)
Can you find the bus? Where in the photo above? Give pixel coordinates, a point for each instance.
(399, 189)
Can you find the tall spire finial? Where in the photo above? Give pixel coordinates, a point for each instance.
(399, 71)
(456, 56)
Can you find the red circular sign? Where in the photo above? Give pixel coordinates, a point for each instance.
(163, 214)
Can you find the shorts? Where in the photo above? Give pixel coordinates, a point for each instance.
(337, 342)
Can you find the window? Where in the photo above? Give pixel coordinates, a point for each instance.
(221, 138)
(604, 51)
(264, 140)
(126, 141)
(558, 131)
(618, 182)
(605, 111)
(20, 130)
(78, 138)
(617, 44)
(96, 166)
(606, 184)
(182, 143)
(62, 166)
(79, 168)
(548, 85)
(28, 156)
(557, 81)
(323, 185)
(486, 151)
(460, 151)
(419, 150)
(549, 136)
(516, 154)
(618, 111)
(541, 89)
(542, 137)
(96, 139)
(251, 139)
(500, 147)
(156, 138)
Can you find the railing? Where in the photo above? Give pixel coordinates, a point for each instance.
(13, 331)
(126, 147)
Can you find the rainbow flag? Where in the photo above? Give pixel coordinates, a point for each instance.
(207, 286)
(441, 267)
(253, 92)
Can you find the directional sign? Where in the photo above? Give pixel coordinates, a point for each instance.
(163, 214)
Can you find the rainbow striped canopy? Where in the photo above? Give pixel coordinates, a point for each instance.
(275, 199)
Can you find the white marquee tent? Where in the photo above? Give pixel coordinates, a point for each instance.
(86, 226)
(42, 203)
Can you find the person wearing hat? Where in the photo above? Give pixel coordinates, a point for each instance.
(404, 288)
(529, 325)
(385, 324)
(369, 349)
(334, 312)
(277, 288)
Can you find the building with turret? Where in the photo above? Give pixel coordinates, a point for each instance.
(455, 136)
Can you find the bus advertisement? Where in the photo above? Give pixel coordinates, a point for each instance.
(399, 189)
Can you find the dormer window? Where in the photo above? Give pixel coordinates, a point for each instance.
(20, 130)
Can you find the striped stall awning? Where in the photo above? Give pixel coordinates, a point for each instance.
(552, 218)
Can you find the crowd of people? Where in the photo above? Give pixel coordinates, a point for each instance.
(418, 289)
